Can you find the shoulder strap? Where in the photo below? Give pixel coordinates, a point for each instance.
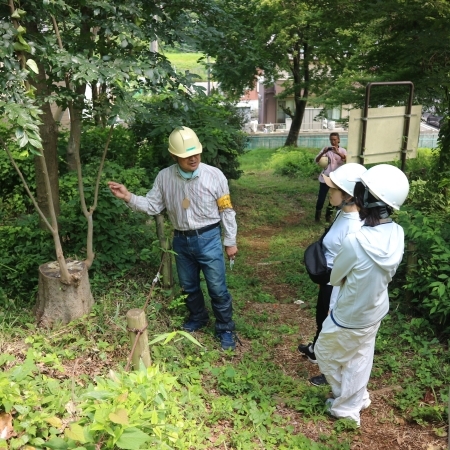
(329, 228)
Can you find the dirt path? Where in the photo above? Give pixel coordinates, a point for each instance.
(382, 427)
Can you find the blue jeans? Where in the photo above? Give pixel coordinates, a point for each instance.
(204, 252)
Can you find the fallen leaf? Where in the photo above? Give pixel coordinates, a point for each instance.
(6, 428)
(433, 447)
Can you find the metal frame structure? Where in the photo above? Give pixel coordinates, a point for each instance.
(407, 117)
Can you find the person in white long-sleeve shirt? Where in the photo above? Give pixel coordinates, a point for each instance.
(197, 200)
(341, 185)
(363, 269)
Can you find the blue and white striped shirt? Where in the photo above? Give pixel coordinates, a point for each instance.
(203, 190)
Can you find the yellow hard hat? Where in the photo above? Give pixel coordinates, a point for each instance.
(183, 142)
(324, 161)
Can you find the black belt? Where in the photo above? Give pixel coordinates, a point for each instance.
(196, 232)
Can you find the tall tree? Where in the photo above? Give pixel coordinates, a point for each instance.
(297, 42)
(399, 40)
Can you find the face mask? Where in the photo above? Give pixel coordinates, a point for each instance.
(187, 175)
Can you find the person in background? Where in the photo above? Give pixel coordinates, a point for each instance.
(197, 199)
(341, 184)
(335, 157)
(363, 268)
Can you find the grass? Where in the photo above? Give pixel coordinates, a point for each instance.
(190, 61)
(208, 399)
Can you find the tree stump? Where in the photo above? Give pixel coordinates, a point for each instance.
(62, 303)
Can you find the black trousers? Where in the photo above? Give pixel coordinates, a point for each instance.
(323, 191)
(323, 305)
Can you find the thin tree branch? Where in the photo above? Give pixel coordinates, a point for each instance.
(100, 169)
(13, 162)
(56, 28)
(65, 275)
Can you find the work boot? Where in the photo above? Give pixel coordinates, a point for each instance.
(317, 216)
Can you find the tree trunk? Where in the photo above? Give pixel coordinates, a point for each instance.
(167, 275)
(300, 74)
(49, 135)
(76, 124)
(61, 303)
(292, 138)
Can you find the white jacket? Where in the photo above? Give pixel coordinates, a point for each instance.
(367, 261)
(345, 223)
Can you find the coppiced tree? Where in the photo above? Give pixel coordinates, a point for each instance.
(52, 52)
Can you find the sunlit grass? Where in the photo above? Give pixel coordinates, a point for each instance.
(189, 61)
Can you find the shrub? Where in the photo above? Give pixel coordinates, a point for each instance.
(217, 123)
(294, 162)
(122, 239)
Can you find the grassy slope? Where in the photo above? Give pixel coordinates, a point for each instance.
(189, 61)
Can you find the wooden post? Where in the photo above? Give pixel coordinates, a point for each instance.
(167, 275)
(136, 321)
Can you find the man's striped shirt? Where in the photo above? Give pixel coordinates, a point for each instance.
(203, 190)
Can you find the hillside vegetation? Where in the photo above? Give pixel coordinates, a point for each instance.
(190, 61)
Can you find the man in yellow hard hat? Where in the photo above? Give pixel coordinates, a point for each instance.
(197, 199)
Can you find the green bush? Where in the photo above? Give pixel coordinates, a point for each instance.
(122, 148)
(294, 162)
(217, 123)
(121, 240)
(139, 410)
(429, 280)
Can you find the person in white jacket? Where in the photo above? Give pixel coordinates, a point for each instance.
(363, 268)
(341, 184)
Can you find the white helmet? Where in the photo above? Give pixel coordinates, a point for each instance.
(183, 142)
(324, 161)
(388, 184)
(345, 177)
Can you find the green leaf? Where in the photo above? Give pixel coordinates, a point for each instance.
(23, 141)
(20, 133)
(120, 417)
(190, 338)
(32, 65)
(21, 48)
(159, 337)
(76, 432)
(35, 143)
(132, 438)
(56, 443)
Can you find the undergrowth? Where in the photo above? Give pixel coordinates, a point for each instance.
(66, 388)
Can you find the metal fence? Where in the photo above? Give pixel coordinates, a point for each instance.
(274, 141)
(319, 141)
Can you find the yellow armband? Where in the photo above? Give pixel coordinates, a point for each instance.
(224, 203)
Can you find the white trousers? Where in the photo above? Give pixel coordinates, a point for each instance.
(345, 357)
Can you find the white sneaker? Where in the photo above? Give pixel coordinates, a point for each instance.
(366, 404)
